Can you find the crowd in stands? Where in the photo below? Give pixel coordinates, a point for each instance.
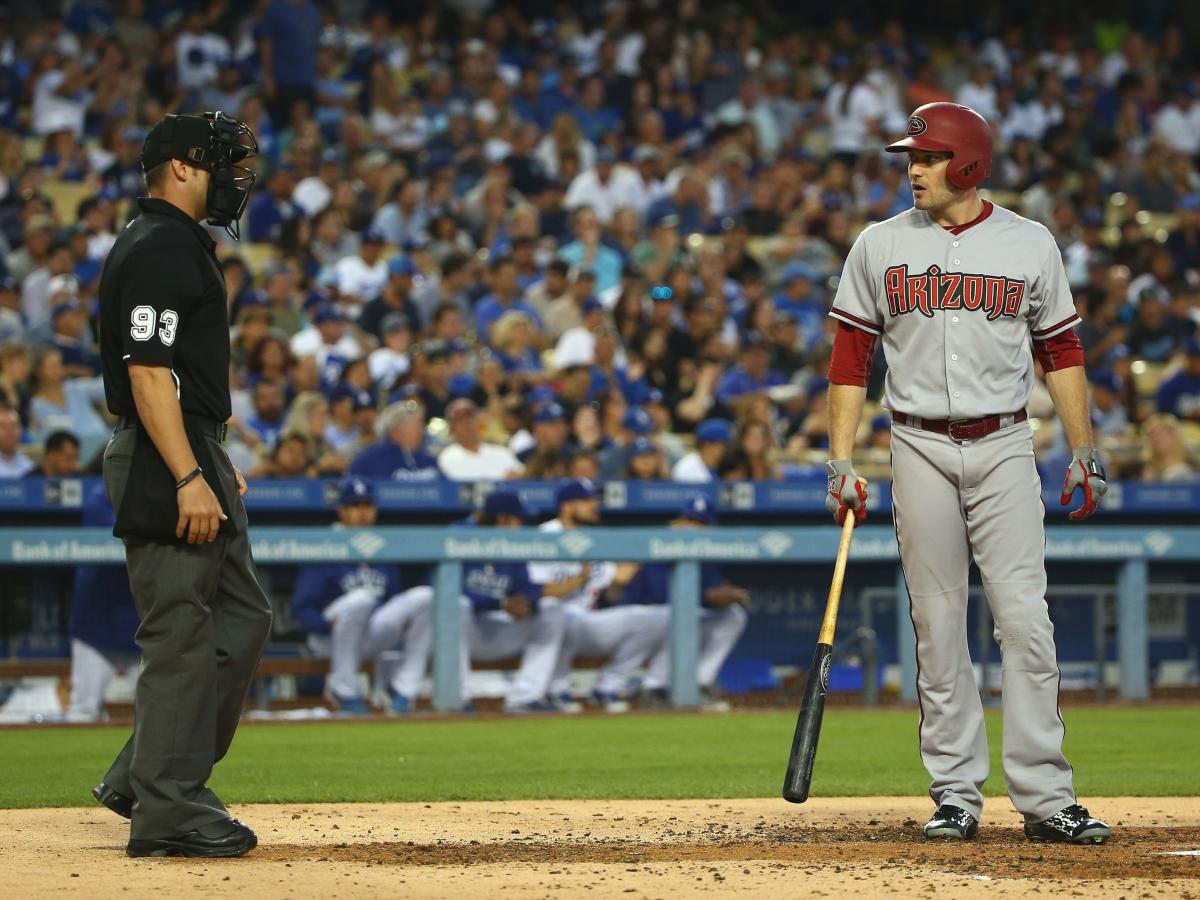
(488, 243)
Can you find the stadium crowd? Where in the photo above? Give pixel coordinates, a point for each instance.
(490, 244)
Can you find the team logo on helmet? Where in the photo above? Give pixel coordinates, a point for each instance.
(916, 125)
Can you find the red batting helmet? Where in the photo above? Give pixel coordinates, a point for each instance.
(954, 129)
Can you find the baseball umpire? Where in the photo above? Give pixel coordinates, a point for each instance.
(961, 292)
(164, 341)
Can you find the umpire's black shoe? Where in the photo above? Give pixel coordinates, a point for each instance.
(1073, 825)
(118, 803)
(228, 838)
(952, 823)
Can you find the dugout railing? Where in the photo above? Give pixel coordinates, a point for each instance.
(1132, 549)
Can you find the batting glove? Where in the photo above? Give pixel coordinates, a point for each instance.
(1086, 471)
(846, 491)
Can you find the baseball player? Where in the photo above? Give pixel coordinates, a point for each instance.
(334, 603)
(504, 613)
(103, 622)
(961, 292)
(406, 619)
(626, 635)
(723, 616)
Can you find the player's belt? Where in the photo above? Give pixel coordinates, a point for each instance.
(963, 429)
(192, 423)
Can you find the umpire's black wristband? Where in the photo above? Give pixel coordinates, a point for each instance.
(189, 477)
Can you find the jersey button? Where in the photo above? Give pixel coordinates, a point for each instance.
(957, 262)
(956, 393)
(954, 319)
(954, 356)
(955, 244)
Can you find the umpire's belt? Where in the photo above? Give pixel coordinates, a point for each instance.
(963, 429)
(192, 424)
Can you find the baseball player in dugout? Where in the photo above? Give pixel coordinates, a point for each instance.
(164, 342)
(964, 295)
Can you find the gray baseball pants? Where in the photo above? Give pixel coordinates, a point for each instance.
(980, 500)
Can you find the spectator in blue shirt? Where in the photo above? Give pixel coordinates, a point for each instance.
(270, 412)
(271, 208)
(505, 297)
(288, 35)
(588, 252)
(1179, 395)
(751, 376)
(689, 202)
(400, 455)
(799, 299)
(596, 119)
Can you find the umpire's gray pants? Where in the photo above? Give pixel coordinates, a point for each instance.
(204, 622)
(980, 500)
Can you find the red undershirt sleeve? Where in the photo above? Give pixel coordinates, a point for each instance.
(853, 350)
(1059, 352)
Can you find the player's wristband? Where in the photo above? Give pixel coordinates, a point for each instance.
(189, 478)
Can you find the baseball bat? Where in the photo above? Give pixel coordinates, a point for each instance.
(808, 726)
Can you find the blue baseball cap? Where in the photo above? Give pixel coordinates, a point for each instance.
(506, 503)
(714, 431)
(654, 395)
(591, 304)
(799, 269)
(638, 421)
(641, 446)
(1190, 203)
(401, 265)
(699, 509)
(576, 489)
(328, 314)
(355, 490)
(373, 236)
(1107, 379)
(549, 412)
(881, 422)
(316, 297)
(414, 242)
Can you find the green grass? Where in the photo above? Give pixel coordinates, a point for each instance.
(1115, 751)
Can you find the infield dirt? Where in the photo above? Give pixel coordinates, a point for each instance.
(829, 847)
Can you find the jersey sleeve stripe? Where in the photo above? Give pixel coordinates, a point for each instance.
(1042, 333)
(849, 319)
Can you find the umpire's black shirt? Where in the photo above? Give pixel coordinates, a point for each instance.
(162, 302)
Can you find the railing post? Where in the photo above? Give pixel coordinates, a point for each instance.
(1133, 637)
(906, 641)
(685, 632)
(447, 617)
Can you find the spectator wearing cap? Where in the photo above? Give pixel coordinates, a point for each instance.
(361, 277)
(69, 324)
(800, 300)
(751, 376)
(644, 461)
(605, 188)
(400, 453)
(396, 297)
(514, 339)
(879, 437)
(13, 463)
(702, 464)
(342, 433)
(329, 341)
(662, 248)
(404, 217)
(334, 603)
(469, 458)
(272, 208)
(288, 34)
(389, 363)
(588, 251)
(646, 168)
(505, 297)
(549, 432)
(635, 423)
(723, 616)
(1179, 395)
(688, 200)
